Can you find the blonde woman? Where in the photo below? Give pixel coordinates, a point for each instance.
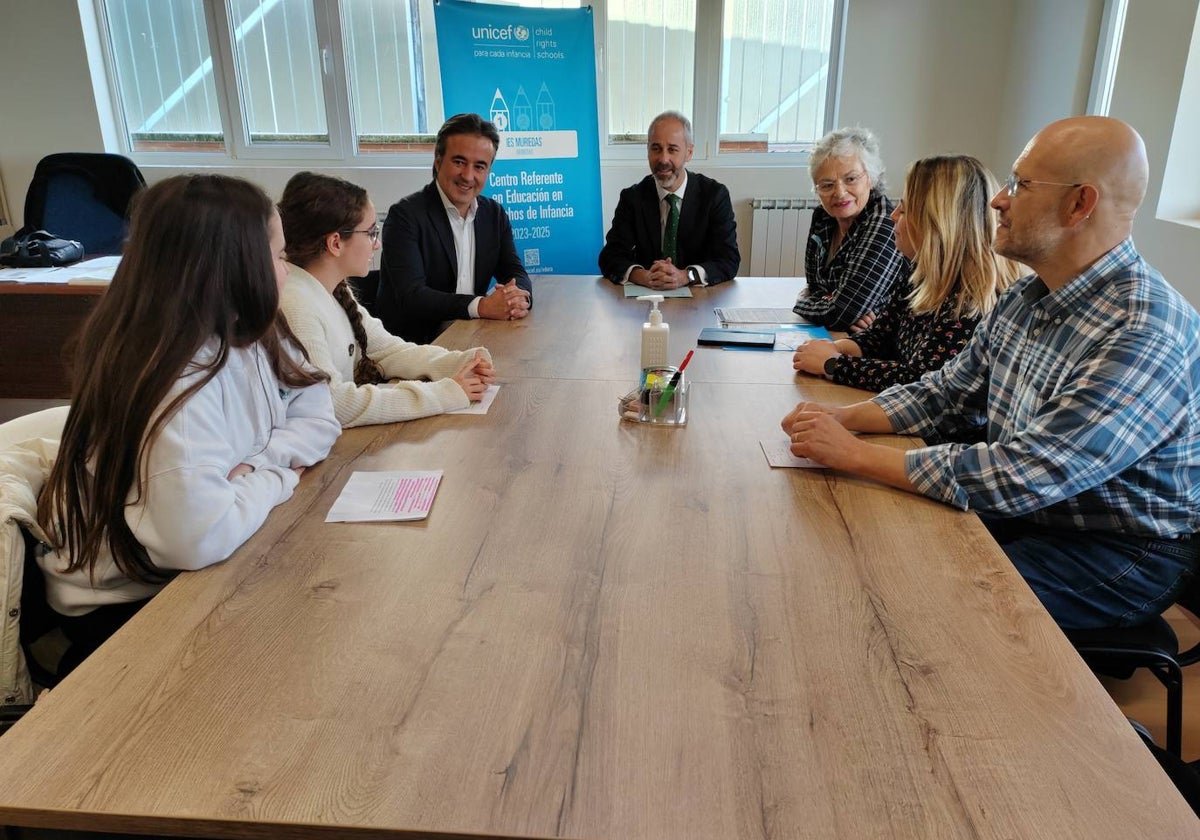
(945, 228)
(331, 235)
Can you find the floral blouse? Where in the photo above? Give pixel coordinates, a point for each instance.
(900, 346)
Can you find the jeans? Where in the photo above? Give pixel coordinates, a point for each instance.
(1088, 579)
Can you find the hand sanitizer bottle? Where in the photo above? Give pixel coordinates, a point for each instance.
(655, 336)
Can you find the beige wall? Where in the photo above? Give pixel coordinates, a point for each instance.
(46, 101)
(928, 76)
(1154, 54)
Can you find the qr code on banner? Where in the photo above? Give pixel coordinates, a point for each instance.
(533, 256)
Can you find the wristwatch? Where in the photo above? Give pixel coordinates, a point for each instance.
(831, 365)
(693, 275)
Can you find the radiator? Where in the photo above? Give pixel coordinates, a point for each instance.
(778, 233)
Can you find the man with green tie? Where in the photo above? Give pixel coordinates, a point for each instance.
(673, 228)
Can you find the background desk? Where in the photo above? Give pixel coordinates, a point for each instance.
(38, 322)
(603, 630)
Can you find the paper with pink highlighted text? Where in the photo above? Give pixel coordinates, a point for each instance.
(386, 496)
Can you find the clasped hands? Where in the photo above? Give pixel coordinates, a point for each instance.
(662, 274)
(817, 433)
(506, 302)
(475, 376)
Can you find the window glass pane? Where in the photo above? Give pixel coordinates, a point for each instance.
(164, 74)
(651, 46)
(774, 73)
(279, 70)
(391, 52)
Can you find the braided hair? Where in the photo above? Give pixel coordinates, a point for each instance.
(313, 207)
(366, 370)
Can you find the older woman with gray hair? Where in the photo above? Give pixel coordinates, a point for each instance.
(851, 261)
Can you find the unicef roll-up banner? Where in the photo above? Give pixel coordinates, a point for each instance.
(533, 73)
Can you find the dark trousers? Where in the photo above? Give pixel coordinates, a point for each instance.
(87, 632)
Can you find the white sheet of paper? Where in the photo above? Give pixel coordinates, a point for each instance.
(52, 274)
(483, 405)
(779, 454)
(96, 271)
(757, 315)
(386, 496)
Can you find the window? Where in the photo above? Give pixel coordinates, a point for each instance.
(775, 74)
(651, 53)
(345, 79)
(164, 74)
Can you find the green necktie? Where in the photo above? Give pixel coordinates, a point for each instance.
(671, 234)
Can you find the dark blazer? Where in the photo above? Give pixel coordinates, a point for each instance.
(419, 269)
(707, 230)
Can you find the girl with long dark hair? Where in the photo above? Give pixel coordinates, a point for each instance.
(193, 412)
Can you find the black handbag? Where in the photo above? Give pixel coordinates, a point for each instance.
(32, 248)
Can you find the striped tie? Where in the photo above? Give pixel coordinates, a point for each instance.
(671, 234)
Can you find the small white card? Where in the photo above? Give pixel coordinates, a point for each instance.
(779, 454)
(386, 496)
(483, 405)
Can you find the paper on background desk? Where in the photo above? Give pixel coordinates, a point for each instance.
(386, 496)
(483, 405)
(33, 275)
(632, 290)
(99, 270)
(779, 454)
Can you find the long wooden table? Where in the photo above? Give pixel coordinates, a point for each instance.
(603, 630)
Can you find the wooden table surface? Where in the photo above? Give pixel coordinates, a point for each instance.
(603, 630)
(594, 332)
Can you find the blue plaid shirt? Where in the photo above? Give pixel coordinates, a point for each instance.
(1092, 400)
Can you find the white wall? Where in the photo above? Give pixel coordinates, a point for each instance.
(1149, 79)
(1048, 70)
(46, 101)
(928, 76)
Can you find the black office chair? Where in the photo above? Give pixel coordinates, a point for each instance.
(83, 196)
(1119, 651)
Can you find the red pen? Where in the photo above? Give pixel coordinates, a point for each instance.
(669, 391)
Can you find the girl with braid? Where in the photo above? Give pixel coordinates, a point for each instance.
(374, 376)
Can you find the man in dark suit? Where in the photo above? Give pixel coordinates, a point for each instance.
(444, 245)
(673, 228)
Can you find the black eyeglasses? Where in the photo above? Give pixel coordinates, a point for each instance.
(1015, 183)
(372, 231)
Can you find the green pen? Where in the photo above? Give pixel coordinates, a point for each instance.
(669, 391)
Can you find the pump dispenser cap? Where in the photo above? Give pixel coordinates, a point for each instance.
(655, 312)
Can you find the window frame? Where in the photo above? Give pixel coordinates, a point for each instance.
(342, 148)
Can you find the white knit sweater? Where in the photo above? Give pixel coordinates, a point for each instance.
(322, 327)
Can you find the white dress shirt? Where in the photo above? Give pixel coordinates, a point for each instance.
(463, 231)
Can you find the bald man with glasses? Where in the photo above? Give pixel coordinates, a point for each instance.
(1087, 373)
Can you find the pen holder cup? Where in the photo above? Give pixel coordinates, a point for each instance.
(657, 400)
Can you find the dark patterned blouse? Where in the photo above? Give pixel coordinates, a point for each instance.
(900, 346)
(860, 277)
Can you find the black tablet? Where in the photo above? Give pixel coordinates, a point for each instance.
(720, 337)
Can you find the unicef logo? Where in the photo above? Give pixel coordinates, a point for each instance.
(521, 32)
